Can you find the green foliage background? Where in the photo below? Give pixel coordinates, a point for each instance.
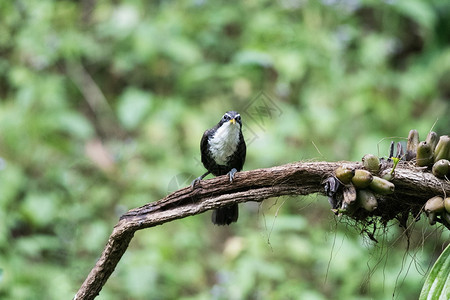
(103, 104)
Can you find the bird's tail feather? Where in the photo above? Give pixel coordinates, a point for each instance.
(225, 215)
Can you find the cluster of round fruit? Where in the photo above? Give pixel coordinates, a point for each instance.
(438, 206)
(361, 185)
(433, 153)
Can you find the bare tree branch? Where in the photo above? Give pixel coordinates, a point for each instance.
(413, 187)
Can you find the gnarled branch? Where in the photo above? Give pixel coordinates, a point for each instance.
(413, 187)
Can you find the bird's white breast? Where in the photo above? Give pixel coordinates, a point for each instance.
(224, 142)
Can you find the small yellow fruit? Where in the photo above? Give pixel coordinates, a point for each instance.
(442, 150)
(381, 186)
(344, 173)
(388, 176)
(424, 154)
(362, 178)
(367, 200)
(371, 163)
(447, 204)
(434, 205)
(441, 168)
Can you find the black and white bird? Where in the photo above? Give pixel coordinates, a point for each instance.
(223, 152)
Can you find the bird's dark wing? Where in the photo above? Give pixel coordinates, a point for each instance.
(204, 142)
(241, 152)
(206, 157)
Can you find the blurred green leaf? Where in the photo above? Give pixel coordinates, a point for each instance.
(419, 11)
(254, 57)
(133, 107)
(76, 125)
(437, 283)
(40, 209)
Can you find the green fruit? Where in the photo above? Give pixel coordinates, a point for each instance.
(432, 139)
(442, 150)
(434, 205)
(441, 168)
(388, 176)
(424, 154)
(381, 186)
(432, 218)
(367, 200)
(344, 173)
(371, 163)
(447, 204)
(362, 179)
(411, 145)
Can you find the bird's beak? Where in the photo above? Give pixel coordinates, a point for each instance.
(233, 121)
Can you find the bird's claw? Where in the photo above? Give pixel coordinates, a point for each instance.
(232, 173)
(195, 182)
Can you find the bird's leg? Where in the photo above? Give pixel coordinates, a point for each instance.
(231, 174)
(197, 180)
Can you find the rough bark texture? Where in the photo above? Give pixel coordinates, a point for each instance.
(413, 187)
